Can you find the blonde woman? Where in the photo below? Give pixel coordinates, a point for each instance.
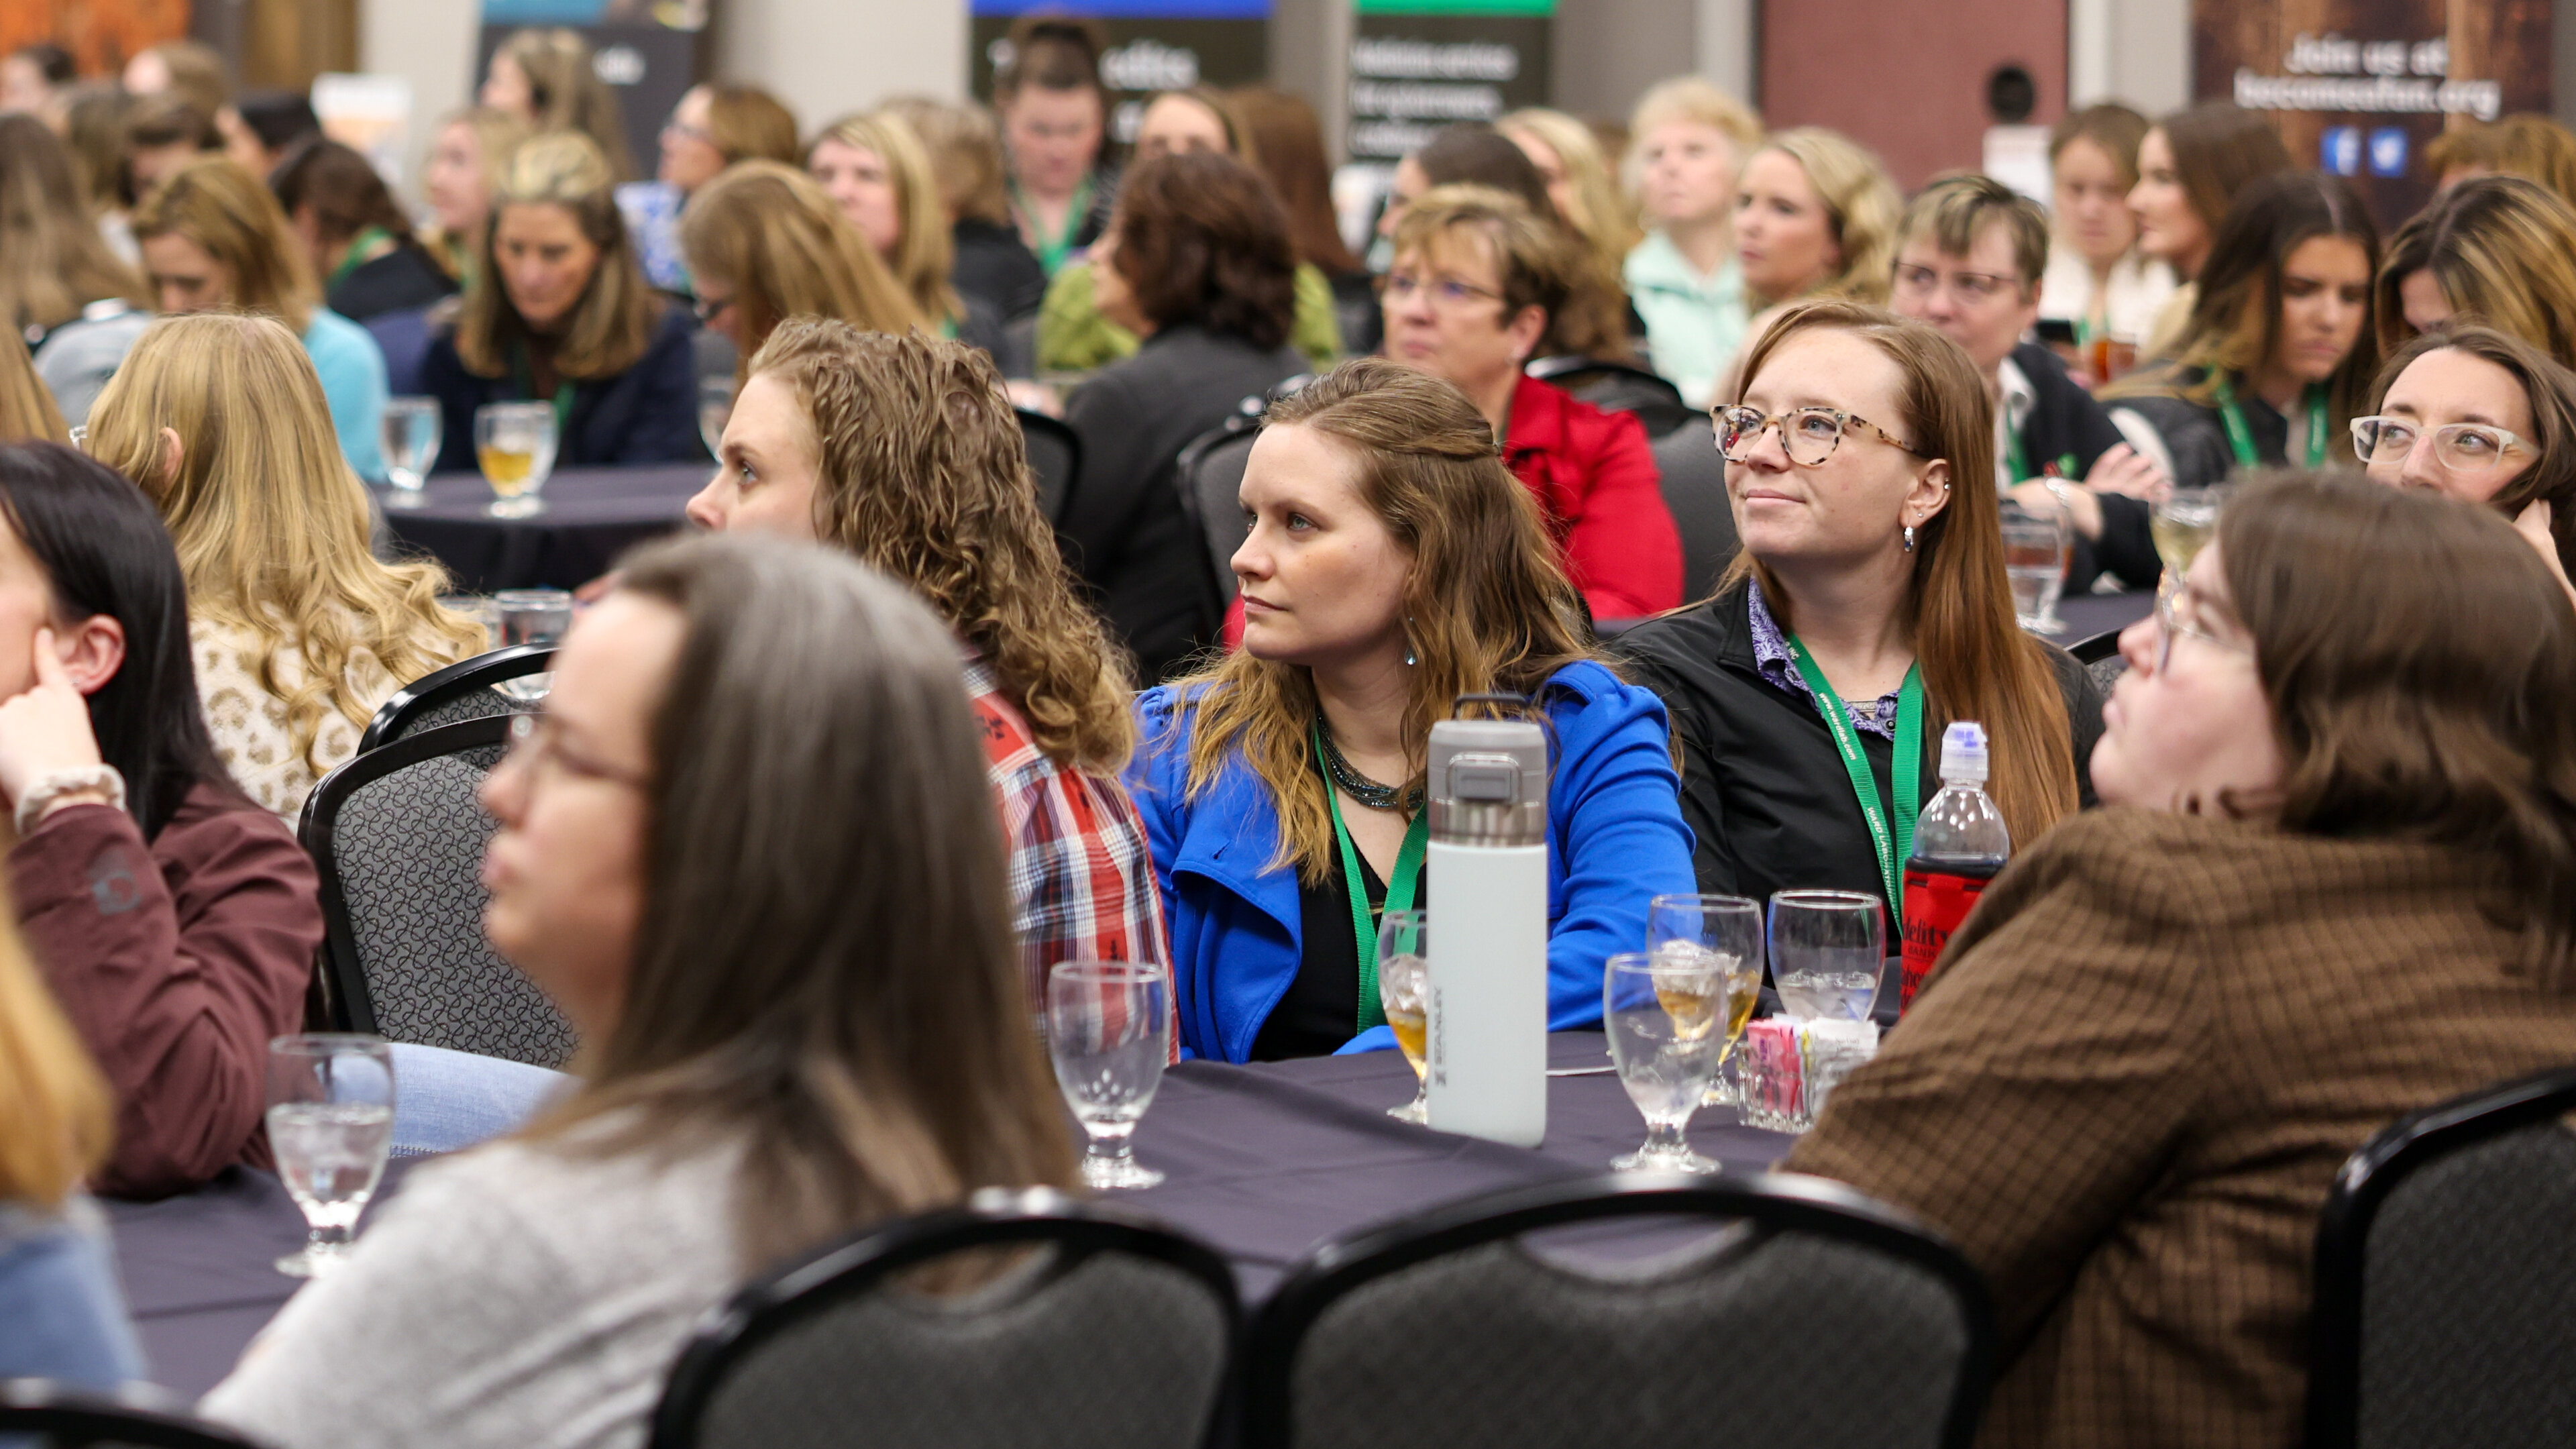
(298, 632)
(1691, 140)
(877, 173)
(766, 243)
(1815, 216)
(1578, 177)
(457, 181)
(965, 146)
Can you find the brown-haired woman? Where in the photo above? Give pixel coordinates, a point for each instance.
(1867, 611)
(2480, 416)
(2098, 278)
(1392, 564)
(2190, 167)
(749, 849)
(559, 310)
(356, 234)
(2498, 249)
(2348, 888)
(765, 242)
(904, 451)
(1198, 264)
(716, 126)
(27, 411)
(549, 79)
(965, 146)
(59, 262)
(1055, 113)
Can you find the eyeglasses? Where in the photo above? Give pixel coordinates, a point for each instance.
(2461, 447)
(1808, 435)
(692, 133)
(536, 742)
(1970, 286)
(2171, 620)
(1446, 292)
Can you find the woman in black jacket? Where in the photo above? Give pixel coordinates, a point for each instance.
(1198, 263)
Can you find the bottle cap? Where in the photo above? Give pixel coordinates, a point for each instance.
(1963, 754)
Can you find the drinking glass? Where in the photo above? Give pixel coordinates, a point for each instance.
(715, 409)
(2184, 523)
(482, 611)
(2036, 552)
(1109, 1031)
(1724, 933)
(413, 431)
(1663, 1017)
(531, 616)
(515, 444)
(1404, 990)
(1827, 949)
(331, 1125)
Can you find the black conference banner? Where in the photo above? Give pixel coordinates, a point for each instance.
(1420, 65)
(1154, 45)
(649, 51)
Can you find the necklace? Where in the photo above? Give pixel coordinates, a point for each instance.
(1356, 785)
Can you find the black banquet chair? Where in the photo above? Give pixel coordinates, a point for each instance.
(467, 689)
(397, 838)
(1112, 1334)
(1055, 456)
(1618, 387)
(42, 1414)
(1694, 483)
(1211, 478)
(1821, 1319)
(2446, 1279)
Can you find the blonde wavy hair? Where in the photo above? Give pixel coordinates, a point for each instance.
(1600, 213)
(1863, 205)
(776, 235)
(1485, 604)
(271, 526)
(924, 473)
(924, 249)
(59, 1122)
(215, 202)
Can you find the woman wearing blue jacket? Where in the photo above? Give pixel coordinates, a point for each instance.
(1391, 565)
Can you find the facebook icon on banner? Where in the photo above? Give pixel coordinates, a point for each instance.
(2340, 150)
(2387, 151)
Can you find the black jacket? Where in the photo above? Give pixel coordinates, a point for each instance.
(398, 281)
(1125, 530)
(646, 414)
(995, 265)
(1763, 789)
(2065, 422)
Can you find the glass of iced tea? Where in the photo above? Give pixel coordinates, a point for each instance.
(514, 442)
(1403, 989)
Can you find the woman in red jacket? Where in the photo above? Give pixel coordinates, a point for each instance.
(1474, 292)
(175, 919)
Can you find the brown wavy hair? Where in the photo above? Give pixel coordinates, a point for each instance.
(1487, 607)
(58, 261)
(774, 233)
(2420, 663)
(924, 474)
(746, 123)
(215, 202)
(2503, 251)
(2550, 391)
(1202, 239)
(1977, 663)
(611, 327)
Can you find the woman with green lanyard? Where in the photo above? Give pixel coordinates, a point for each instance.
(1054, 116)
(1868, 610)
(2280, 350)
(361, 243)
(1392, 565)
(559, 310)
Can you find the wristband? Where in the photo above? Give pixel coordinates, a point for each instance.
(57, 783)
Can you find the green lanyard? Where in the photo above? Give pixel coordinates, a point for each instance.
(357, 256)
(2241, 438)
(1053, 250)
(2020, 463)
(1399, 889)
(523, 374)
(1893, 849)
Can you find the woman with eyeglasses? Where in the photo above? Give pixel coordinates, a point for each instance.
(2338, 883)
(1867, 611)
(2481, 417)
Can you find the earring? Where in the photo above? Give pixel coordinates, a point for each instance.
(1909, 538)
(1409, 660)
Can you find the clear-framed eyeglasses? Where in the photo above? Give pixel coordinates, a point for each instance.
(1970, 287)
(2461, 447)
(2178, 612)
(1808, 435)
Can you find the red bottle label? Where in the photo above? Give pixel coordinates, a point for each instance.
(1936, 904)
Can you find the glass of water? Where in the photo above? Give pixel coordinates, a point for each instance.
(1404, 991)
(1723, 933)
(2036, 552)
(531, 616)
(1666, 1017)
(514, 442)
(1109, 1031)
(1827, 949)
(331, 1125)
(413, 433)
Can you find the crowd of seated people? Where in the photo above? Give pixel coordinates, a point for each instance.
(812, 810)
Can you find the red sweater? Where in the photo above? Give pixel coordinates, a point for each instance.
(177, 962)
(1602, 497)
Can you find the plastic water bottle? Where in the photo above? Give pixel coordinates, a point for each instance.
(1959, 844)
(1485, 867)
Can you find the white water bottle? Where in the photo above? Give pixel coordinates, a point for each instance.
(1485, 870)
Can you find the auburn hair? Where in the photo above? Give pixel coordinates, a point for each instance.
(1283, 138)
(215, 202)
(2218, 149)
(1976, 661)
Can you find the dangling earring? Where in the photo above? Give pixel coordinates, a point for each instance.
(1409, 660)
(1909, 538)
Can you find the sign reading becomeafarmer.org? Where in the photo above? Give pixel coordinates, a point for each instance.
(1419, 65)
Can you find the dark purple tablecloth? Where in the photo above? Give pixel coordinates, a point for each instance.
(1263, 1162)
(2086, 615)
(592, 515)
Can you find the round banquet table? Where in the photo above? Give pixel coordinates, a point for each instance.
(592, 515)
(1263, 1162)
(2086, 615)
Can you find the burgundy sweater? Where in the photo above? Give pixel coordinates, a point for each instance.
(177, 961)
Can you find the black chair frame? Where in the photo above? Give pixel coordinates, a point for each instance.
(73, 1417)
(861, 1263)
(351, 1004)
(442, 685)
(1186, 476)
(2096, 649)
(2343, 1229)
(1060, 432)
(1571, 370)
(1775, 1202)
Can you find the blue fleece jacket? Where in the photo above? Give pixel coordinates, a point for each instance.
(1614, 832)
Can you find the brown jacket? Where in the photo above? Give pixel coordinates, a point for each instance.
(2130, 1084)
(177, 962)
